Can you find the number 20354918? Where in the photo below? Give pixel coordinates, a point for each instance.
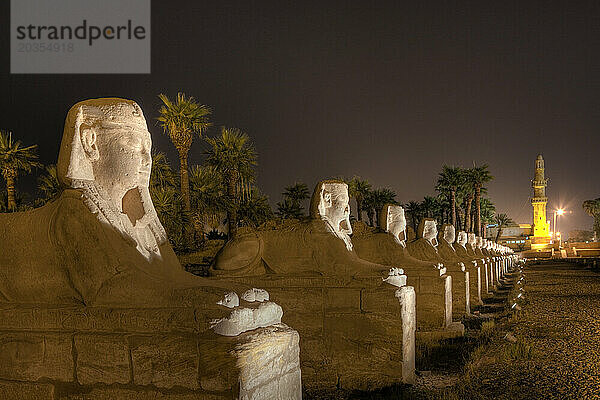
(45, 47)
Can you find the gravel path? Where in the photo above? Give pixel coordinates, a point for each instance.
(561, 322)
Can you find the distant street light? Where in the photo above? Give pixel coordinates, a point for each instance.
(560, 211)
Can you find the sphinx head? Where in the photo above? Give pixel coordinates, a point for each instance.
(106, 141)
(448, 233)
(330, 202)
(428, 230)
(105, 151)
(471, 240)
(478, 242)
(393, 219)
(462, 238)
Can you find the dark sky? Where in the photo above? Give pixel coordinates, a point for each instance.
(389, 92)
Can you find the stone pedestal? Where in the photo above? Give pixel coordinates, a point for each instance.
(356, 333)
(52, 353)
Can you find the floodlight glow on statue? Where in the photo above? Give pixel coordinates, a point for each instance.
(433, 286)
(396, 223)
(321, 245)
(334, 209)
(106, 154)
(101, 242)
(301, 260)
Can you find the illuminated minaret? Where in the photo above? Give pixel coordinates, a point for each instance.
(541, 226)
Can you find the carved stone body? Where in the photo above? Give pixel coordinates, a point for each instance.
(473, 265)
(433, 287)
(311, 268)
(462, 273)
(425, 246)
(96, 261)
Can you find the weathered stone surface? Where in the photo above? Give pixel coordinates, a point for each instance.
(311, 268)
(26, 391)
(427, 278)
(165, 361)
(111, 393)
(343, 300)
(32, 356)
(102, 359)
(97, 319)
(380, 300)
(263, 361)
(97, 264)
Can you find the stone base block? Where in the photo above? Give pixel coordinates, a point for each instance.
(134, 363)
(354, 334)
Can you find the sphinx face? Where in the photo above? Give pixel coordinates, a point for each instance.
(396, 222)
(430, 232)
(479, 242)
(449, 234)
(471, 239)
(335, 206)
(124, 161)
(462, 238)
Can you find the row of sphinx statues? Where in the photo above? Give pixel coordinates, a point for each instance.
(356, 297)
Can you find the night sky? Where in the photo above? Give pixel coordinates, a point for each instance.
(389, 92)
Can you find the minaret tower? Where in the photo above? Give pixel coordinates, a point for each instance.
(541, 226)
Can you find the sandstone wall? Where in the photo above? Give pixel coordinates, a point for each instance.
(354, 334)
(100, 353)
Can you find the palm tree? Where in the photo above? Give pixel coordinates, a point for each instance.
(233, 155)
(592, 207)
(207, 197)
(478, 177)
(181, 120)
(502, 220)
(49, 186)
(413, 209)
(255, 209)
(162, 175)
(443, 209)
(14, 158)
(296, 194)
(381, 197)
(288, 209)
(449, 182)
(429, 206)
(488, 214)
(170, 209)
(359, 189)
(469, 195)
(369, 206)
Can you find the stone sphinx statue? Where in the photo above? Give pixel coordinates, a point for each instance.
(410, 234)
(434, 288)
(471, 245)
(312, 268)
(100, 242)
(479, 246)
(462, 272)
(473, 265)
(425, 247)
(446, 239)
(320, 246)
(100, 249)
(487, 274)
(460, 245)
